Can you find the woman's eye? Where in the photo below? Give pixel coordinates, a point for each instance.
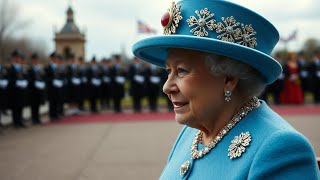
(182, 71)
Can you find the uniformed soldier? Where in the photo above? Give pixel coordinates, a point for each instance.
(136, 77)
(315, 70)
(54, 86)
(74, 93)
(18, 88)
(84, 83)
(63, 91)
(4, 82)
(37, 87)
(106, 82)
(153, 86)
(95, 84)
(276, 87)
(118, 76)
(304, 72)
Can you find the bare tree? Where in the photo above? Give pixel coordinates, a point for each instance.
(310, 46)
(10, 22)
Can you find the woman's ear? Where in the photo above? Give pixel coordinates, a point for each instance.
(230, 83)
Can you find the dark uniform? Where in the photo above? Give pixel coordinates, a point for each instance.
(154, 84)
(4, 82)
(118, 77)
(136, 76)
(106, 83)
(315, 76)
(73, 76)
(37, 87)
(54, 82)
(84, 84)
(276, 88)
(95, 85)
(18, 89)
(304, 73)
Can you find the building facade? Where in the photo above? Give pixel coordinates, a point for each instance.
(70, 39)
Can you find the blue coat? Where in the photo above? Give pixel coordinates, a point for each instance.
(276, 151)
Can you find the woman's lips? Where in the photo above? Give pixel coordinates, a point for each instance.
(179, 104)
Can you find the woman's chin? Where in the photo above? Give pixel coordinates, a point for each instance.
(182, 119)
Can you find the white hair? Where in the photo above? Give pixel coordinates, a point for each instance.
(250, 80)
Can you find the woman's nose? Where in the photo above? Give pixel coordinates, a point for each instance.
(170, 86)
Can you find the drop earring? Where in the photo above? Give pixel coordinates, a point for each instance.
(227, 95)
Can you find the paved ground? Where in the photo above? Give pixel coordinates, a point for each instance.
(100, 151)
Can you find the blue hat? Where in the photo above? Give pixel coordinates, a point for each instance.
(215, 26)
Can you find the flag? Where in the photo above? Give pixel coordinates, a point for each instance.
(144, 28)
(291, 37)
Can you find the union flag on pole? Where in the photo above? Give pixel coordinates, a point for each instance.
(144, 28)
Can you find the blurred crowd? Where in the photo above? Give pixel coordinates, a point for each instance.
(68, 81)
(300, 79)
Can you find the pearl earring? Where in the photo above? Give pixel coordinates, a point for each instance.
(227, 95)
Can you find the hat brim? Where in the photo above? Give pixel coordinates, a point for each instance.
(155, 51)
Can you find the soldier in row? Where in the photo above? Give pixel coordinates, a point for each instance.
(37, 86)
(315, 76)
(55, 81)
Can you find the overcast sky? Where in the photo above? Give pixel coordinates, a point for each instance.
(111, 25)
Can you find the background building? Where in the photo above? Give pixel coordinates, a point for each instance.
(70, 39)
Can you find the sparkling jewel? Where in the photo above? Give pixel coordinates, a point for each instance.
(229, 29)
(165, 19)
(202, 22)
(184, 167)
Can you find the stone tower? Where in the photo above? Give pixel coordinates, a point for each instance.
(70, 39)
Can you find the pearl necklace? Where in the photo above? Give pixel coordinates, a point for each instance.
(196, 154)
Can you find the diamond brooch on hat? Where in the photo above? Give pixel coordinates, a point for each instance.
(170, 20)
(231, 32)
(204, 20)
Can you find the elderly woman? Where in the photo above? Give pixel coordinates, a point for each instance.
(216, 54)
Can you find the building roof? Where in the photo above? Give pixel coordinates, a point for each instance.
(70, 26)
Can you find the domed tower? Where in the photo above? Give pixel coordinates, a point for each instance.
(70, 39)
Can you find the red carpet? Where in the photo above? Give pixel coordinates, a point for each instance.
(161, 116)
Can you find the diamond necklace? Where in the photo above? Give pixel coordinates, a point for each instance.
(196, 154)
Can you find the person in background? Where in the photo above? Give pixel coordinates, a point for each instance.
(136, 77)
(4, 82)
(118, 79)
(84, 83)
(276, 87)
(304, 73)
(153, 86)
(74, 91)
(18, 88)
(37, 88)
(95, 83)
(217, 56)
(315, 76)
(106, 83)
(292, 92)
(62, 85)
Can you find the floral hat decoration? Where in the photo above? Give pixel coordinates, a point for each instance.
(215, 26)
